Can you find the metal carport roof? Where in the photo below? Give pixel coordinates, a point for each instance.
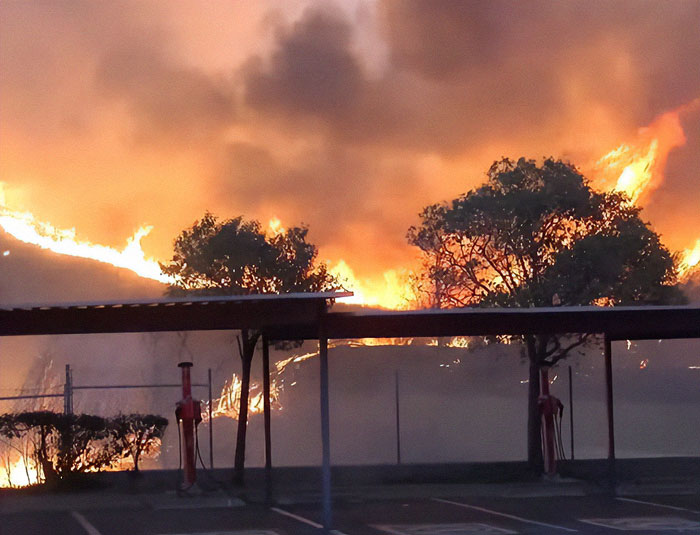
(169, 314)
(305, 315)
(618, 323)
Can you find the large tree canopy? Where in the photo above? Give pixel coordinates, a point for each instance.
(534, 234)
(538, 235)
(236, 256)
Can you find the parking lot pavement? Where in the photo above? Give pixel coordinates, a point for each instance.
(249, 520)
(437, 515)
(40, 523)
(493, 515)
(689, 503)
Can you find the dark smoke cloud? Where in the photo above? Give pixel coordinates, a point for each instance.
(168, 101)
(659, 40)
(67, 63)
(336, 183)
(312, 72)
(466, 72)
(461, 75)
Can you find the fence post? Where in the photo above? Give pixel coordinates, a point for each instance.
(68, 392)
(398, 418)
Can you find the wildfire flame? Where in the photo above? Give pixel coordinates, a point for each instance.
(639, 166)
(228, 403)
(639, 169)
(392, 292)
(19, 473)
(275, 227)
(24, 227)
(690, 261)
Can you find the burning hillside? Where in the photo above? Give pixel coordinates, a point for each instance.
(636, 168)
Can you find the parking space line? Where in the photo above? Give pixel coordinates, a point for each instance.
(505, 515)
(473, 528)
(655, 524)
(297, 517)
(91, 530)
(674, 507)
(304, 520)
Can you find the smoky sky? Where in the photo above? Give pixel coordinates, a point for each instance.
(349, 117)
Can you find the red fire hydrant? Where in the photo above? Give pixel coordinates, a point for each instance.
(188, 411)
(549, 407)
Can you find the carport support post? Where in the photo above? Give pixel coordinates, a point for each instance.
(612, 476)
(211, 423)
(266, 411)
(325, 432)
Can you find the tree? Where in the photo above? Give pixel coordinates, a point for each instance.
(234, 257)
(535, 236)
(138, 434)
(64, 446)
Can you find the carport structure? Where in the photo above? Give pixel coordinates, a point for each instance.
(305, 316)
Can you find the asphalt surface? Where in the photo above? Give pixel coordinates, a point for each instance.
(446, 511)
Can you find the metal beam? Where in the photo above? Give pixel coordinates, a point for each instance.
(298, 316)
(620, 323)
(325, 435)
(219, 314)
(266, 414)
(610, 412)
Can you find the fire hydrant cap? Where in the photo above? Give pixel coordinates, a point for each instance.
(185, 365)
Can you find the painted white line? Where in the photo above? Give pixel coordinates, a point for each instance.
(91, 530)
(297, 517)
(237, 532)
(675, 508)
(468, 528)
(505, 515)
(656, 524)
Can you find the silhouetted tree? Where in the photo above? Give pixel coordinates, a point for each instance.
(66, 445)
(138, 434)
(535, 236)
(234, 257)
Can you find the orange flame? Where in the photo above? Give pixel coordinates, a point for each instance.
(24, 227)
(228, 403)
(690, 262)
(393, 291)
(639, 170)
(19, 473)
(275, 227)
(639, 167)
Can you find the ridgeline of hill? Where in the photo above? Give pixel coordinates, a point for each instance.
(30, 274)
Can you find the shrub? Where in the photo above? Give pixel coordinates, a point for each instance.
(138, 434)
(63, 445)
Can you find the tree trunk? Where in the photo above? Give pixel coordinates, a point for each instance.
(248, 350)
(535, 459)
(50, 475)
(137, 452)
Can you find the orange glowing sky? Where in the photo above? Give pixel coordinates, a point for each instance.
(348, 116)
